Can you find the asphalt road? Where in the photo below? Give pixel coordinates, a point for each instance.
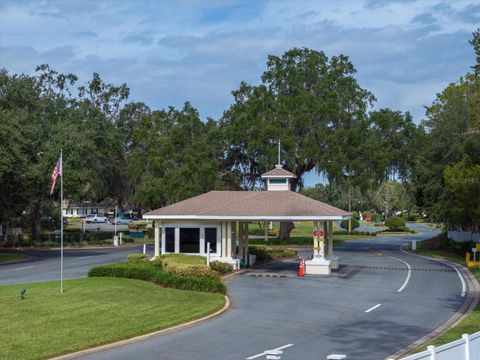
(370, 308)
(44, 265)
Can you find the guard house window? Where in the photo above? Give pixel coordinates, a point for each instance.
(211, 237)
(190, 240)
(170, 239)
(278, 181)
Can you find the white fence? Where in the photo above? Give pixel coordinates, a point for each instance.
(463, 236)
(466, 348)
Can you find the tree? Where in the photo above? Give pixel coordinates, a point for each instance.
(173, 157)
(312, 103)
(390, 196)
(446, 172)
(42, 116)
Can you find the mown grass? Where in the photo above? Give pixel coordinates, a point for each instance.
(91, 312)
(12, 257)
(471, 323)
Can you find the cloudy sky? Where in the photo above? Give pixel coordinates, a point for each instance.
(169, 52)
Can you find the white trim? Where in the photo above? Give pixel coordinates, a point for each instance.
(278, 176)
(247, 218)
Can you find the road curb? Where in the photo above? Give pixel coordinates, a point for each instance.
(145, 336)
(471, 301)
(233, 274)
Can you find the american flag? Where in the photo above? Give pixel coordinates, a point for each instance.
(57, 171)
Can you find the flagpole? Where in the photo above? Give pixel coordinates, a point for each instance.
(61, 221)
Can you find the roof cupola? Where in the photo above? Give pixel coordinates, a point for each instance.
(278, 179)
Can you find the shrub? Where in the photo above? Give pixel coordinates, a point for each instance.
(178, 261)
(127, 239)
(197, 271)
(413, 216)
(265, 254)
(344, 232)
(150, 233)
(137, 225)
(395, 223)
(297, 240)
(376, 217)
(152, 271)
(220, 267)
(355, 223)
(135, 258)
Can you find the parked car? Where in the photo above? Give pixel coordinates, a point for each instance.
(121, 220)
(95, 218)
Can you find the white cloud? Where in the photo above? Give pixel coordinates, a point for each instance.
(171, 52)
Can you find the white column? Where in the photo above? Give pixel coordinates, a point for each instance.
(164, 247)
(229, 239)
(265, 226)
(322, 241)
(202, 240)
(315, 242)
(156, 229)
(234, 238)
(240, 239)
(177, 240)
(224, 239)
(246, 238)
(329, 233)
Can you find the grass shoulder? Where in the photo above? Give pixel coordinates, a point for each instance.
(12, 257)
(441, 249)
(91, 312)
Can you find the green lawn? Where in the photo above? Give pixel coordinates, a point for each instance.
(12, 257)
(471, 323)
(91, 312)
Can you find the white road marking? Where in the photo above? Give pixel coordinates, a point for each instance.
(25, 267)
(409, 273)
(464, 285)
(264, 353)
(373, 308)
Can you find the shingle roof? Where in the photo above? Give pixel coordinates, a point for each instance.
(277, 172)
(249, 204)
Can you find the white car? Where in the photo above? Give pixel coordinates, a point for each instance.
(95, 218)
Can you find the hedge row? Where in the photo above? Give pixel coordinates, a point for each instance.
(265, 254)
(364, 233)
(295, 240)
(153, 272)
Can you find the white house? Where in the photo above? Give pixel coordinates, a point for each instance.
(221, 219)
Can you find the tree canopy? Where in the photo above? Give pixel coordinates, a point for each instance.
(124, 152)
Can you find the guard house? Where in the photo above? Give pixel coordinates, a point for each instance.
(218, 221)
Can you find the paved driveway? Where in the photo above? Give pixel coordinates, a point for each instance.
(372, 307)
